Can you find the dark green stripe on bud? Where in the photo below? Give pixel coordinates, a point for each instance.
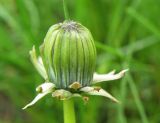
(69, 54)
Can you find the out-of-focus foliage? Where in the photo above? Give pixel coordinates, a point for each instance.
(127, 35)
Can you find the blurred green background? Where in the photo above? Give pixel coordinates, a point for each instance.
(127, 35)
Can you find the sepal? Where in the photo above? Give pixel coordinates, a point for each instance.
(64, 94)
(43, 90)
(98, 92)
(38, 63)
(97, 78)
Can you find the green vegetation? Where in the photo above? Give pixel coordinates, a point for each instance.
(127, 35)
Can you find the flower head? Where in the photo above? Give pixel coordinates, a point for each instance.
(67, 63)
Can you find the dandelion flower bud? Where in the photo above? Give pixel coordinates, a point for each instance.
(67, 64)
(69, 54)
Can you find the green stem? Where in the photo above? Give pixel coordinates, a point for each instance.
(69, 113)
(65, 10)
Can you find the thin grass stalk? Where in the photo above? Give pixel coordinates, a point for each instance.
(123, 93)
(137, 99)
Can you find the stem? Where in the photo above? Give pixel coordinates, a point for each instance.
(65, 10)
(69, 113)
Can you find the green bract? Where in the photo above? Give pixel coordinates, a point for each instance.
(69, 54)
(67, 64)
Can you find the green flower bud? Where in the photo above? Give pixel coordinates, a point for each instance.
(69, 54)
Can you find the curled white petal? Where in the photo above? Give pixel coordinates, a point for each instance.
(45, 88)
(107, 77)
(38, 63)
(99, 92)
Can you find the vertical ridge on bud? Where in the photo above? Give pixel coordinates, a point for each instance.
(73, 57)
(56, 59)
(86, 60)
(90, 66)
(49, 43)
(81, 57)
(64, 56)
(65, 59)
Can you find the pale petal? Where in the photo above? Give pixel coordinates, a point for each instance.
(107, 77)
(38, 63)
(44, 89)
(99, 92)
